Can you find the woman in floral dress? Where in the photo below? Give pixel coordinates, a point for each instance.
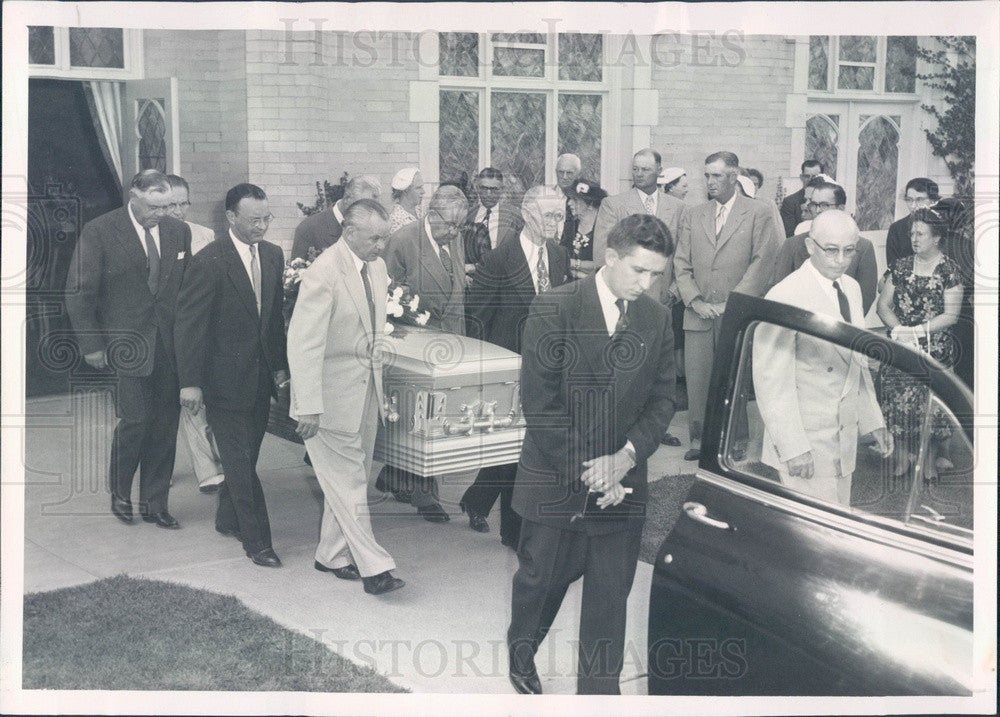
(920, 303)
(585, 202)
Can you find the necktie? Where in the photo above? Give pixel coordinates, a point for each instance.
(845, 308)
(255, 274)
(720, 220)
(485, 242)
(152, 262)
(542, 272)
(446, 261)
(648, 201)
(622, 324)
(368, 295)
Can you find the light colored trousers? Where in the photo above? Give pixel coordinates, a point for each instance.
(342, 462)
(201, 446)
(833, 489)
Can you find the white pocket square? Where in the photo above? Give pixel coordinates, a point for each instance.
(180, 255)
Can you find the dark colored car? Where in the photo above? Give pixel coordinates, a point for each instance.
(764, 590)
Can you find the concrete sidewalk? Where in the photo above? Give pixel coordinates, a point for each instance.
(442, 633)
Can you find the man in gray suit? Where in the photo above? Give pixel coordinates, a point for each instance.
(726, 244)
(322, 229)
(428, 257)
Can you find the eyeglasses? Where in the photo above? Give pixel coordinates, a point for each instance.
(912, 201)
(453, 226)
(259, 221)
(833, 252)
(821, 205)
(178, 205)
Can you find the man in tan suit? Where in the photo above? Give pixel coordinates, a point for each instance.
(816, 398)
(336, 394)
(726, 244)
(428, 257)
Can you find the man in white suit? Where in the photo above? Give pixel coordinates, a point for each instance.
(336, 394)
(816, 398)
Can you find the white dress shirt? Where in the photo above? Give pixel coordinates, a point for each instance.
(655, 197)
(141, 232)
(830, 291)
(531, 251)
(608, 306)
(494, 226)
(243, 249)
(729, 210)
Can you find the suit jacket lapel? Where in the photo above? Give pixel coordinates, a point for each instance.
(592, 329)
(238, 275)
(267, 277)
(557, 268)
(355, 287)
(130, 243)
(708, 221)
(519, 270)
(431, 262)
(736, 217)
(169, 247)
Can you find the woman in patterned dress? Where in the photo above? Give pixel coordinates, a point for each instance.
(585, 201)
(407, 194)
(920, 303)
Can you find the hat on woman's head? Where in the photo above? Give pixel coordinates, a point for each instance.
(749, 188)
(670, 174)
(404, 178)
(589, 191)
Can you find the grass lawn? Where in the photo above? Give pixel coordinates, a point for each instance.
(124, 633)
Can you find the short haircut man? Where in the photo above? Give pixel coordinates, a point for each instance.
(597, 389)
(920, 193)
(817, 399)
(791, 206)
(123, 312)
(322, 229)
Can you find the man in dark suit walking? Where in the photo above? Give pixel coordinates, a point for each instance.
(231, 356)
(791, 206)
(503, 287)
(121, 293)
(597, 388)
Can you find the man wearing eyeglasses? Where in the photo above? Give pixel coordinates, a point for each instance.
(862, 266)
(121, 292)
(231, 358)
(791, 206)
(491, 221)
(817, 399)
(428, 257)
(920, 193)
(201, 443)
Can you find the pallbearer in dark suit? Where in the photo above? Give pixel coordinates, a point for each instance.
(791, 206)
(121, 292)
(597, 388)
(502, 288)
(231, 355)
(427, 256)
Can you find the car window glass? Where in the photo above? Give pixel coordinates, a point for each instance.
(796, 394)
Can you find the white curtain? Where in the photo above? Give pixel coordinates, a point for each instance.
(105, 102)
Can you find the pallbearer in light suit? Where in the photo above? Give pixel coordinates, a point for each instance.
(597, 388)
(817, 399)
(231, 357)
(333, 339)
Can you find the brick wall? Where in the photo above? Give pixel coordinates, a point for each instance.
(317, 112)
(210, 69)
(708, 107)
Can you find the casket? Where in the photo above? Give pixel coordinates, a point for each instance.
(453, 403)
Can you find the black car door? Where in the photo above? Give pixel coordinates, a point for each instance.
(762, 589)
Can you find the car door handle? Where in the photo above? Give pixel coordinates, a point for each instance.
(698, 512)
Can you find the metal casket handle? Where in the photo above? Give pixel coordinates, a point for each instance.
(698, 512)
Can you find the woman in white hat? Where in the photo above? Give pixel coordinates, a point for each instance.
(675, 182)
(407, 194)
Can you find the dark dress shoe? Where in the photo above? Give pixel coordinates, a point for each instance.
(382, 583)
(307, 460)
(163, 519)
(122, 509)
(692, 454)
(229, 532)
(348, 572)
(214, 488)
(476, 521)
(402, 496)
(509, 542)
(433, 513)
(670, 440)
(265, 558)
(525, 682)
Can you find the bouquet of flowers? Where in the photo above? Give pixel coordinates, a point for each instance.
(402, 308)
(291, 277)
